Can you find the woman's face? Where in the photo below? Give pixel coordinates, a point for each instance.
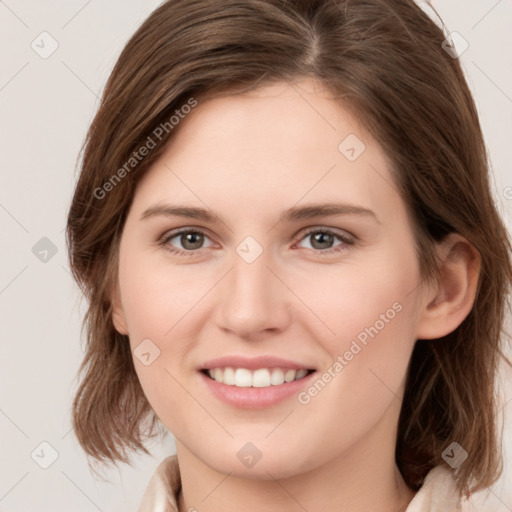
(269, 284)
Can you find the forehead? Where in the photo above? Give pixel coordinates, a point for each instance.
(278, 144)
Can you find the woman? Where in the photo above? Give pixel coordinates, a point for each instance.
(284, 227)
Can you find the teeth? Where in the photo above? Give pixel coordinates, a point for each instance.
(229, 376)
(218, 375)
(290, 375)
(243, 378)
(277, 377)
(261, 378)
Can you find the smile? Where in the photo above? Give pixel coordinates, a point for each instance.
(260, 378)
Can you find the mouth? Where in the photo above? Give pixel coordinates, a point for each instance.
(258, 378)
(254, 382)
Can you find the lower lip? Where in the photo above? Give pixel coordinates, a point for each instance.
(255, 398)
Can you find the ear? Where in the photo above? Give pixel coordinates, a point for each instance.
(118, 318)
(449, 301)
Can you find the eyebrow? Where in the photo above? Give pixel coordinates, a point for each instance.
(294, 214)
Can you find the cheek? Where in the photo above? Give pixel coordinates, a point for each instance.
(357, 300)
(364, 300)
(368, 360)
(364, 378)
(157, 296)
(161, 303)
(360, 310)
(371, 313)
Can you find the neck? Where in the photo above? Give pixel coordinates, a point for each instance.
(361, 479)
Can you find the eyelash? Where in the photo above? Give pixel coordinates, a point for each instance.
(347, 240)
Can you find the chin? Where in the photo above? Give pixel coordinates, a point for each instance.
(256, 461)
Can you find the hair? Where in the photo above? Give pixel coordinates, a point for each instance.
(384, 59)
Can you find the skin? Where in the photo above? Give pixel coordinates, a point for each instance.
(248, 158)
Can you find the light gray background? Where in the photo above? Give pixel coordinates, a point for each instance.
(46, 106)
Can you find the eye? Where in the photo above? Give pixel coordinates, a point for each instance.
(190, 239)
(322, 240)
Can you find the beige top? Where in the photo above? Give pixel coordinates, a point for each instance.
(438, 493)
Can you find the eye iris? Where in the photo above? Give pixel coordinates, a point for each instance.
(194, 239)
(319, 237)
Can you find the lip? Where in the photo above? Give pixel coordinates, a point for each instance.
(253, 363)
(255, 398)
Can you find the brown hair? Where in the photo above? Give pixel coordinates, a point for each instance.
(384, 57)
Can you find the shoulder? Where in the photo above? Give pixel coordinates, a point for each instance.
(438, 493)
(163, 488)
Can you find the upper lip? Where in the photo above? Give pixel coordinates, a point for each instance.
(253, 363)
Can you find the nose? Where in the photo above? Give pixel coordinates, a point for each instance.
(253, 301)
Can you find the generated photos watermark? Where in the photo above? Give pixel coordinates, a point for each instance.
(150, 143)
(342, 360)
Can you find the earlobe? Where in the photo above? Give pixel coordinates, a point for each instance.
(118, 318)
(451, 300)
